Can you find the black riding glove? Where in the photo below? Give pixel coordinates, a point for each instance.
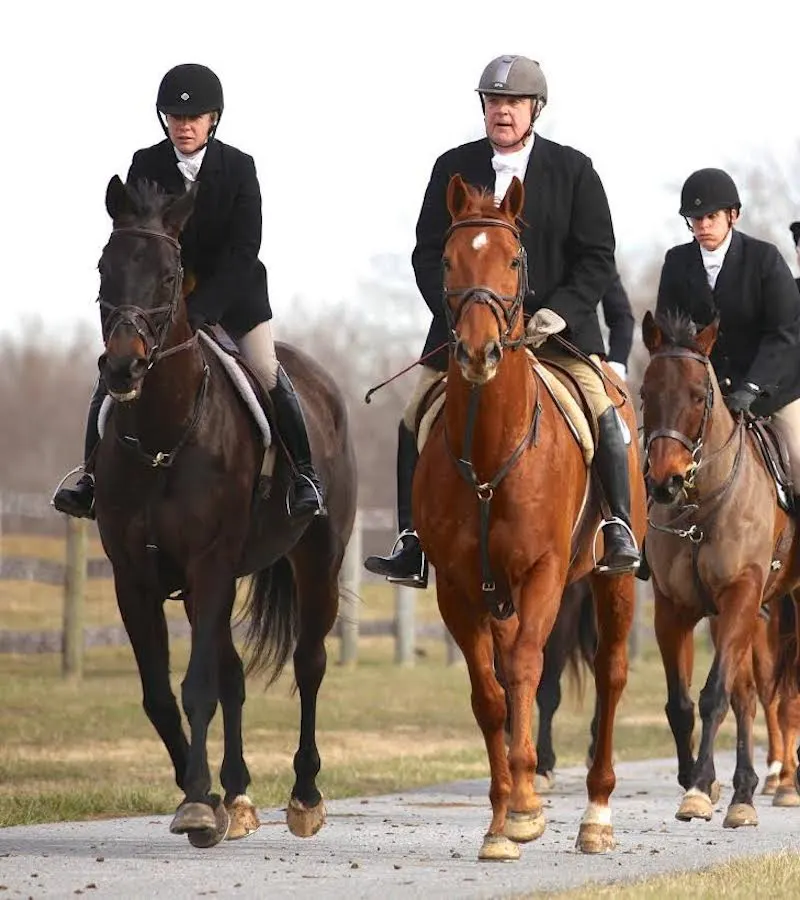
(740, 401)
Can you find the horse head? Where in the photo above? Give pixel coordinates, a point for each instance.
(677, 401)
(485, 277)
(141, 283)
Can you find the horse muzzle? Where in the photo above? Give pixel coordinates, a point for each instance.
(478, 366)
(123, 376)
(667, 490)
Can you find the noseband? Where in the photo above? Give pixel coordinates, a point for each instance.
(694, 446)
(152, 325)
(506, 318)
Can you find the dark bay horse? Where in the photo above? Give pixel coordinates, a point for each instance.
(502, 441)
(718, 545)
(179, 512)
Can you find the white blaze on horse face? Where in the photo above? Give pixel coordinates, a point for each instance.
(480, 240)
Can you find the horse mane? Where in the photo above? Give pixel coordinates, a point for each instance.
(147, 197)
(678, 330)
(481, 203)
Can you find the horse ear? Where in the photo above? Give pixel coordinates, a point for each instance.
(514, 200)
(118, 202)
(708, 337)
(177, 213)
(651, 333)
(457, 196)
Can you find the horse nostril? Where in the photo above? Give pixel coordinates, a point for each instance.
(675, 485)
(461, 354)
(493, 353)
(138, 367)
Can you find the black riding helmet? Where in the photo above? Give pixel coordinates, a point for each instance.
(189, 90)
(795, 229)
(706, 191)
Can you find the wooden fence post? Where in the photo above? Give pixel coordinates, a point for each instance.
(405, 630)
(74, 592)
(349, 599)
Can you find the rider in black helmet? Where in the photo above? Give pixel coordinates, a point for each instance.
(726, 274)
(219, 248)
(795, 229)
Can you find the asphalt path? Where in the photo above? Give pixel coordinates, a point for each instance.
(421, 843)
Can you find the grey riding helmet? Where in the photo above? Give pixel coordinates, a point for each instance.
(514, 76)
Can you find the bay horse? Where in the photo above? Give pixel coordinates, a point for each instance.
(180, 512)
(501, 445)
(718, 544)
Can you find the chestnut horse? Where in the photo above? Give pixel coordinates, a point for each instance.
(180, 512)
(718, 545)
(501, 445)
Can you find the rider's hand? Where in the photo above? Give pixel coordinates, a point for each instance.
(740, 401)
(541, 325)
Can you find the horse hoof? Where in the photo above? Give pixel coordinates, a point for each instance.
(786, 795)
(305, 821)
(740, 814)
(210, 837)
(193, 817)
(544, 783)
(522, 827)
(498, 848)
(595, 838)
(244, 817)
(771, 784)
(695, 805)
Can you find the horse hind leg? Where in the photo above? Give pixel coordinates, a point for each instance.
(614, 604)
(318, 600)
(787, 794)
(234, 774)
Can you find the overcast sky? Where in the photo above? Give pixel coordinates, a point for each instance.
(346, 105)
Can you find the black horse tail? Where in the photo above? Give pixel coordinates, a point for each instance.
(580, 658)
(272, 619)
(787, 661)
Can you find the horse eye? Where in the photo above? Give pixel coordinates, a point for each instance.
(515, 263)
(446, 263)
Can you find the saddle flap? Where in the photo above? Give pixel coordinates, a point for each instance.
(243, 378)
(572, 403)
(429, 409)
(776, 458)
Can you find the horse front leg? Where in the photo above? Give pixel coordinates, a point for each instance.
(763, 671)
(202, 815)
(738, 605)
(615, 599)
(743, 700)
(144, 620)
(472, 632)
(537, 607)
(674, 630)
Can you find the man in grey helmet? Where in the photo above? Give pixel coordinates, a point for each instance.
(569, 239)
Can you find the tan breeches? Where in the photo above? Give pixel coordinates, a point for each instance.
(787, 422)
(258, 348)
(583, 373)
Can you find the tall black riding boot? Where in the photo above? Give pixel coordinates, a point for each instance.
(611, 463)
(305, 493)
(79, 501)
(406, 564)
